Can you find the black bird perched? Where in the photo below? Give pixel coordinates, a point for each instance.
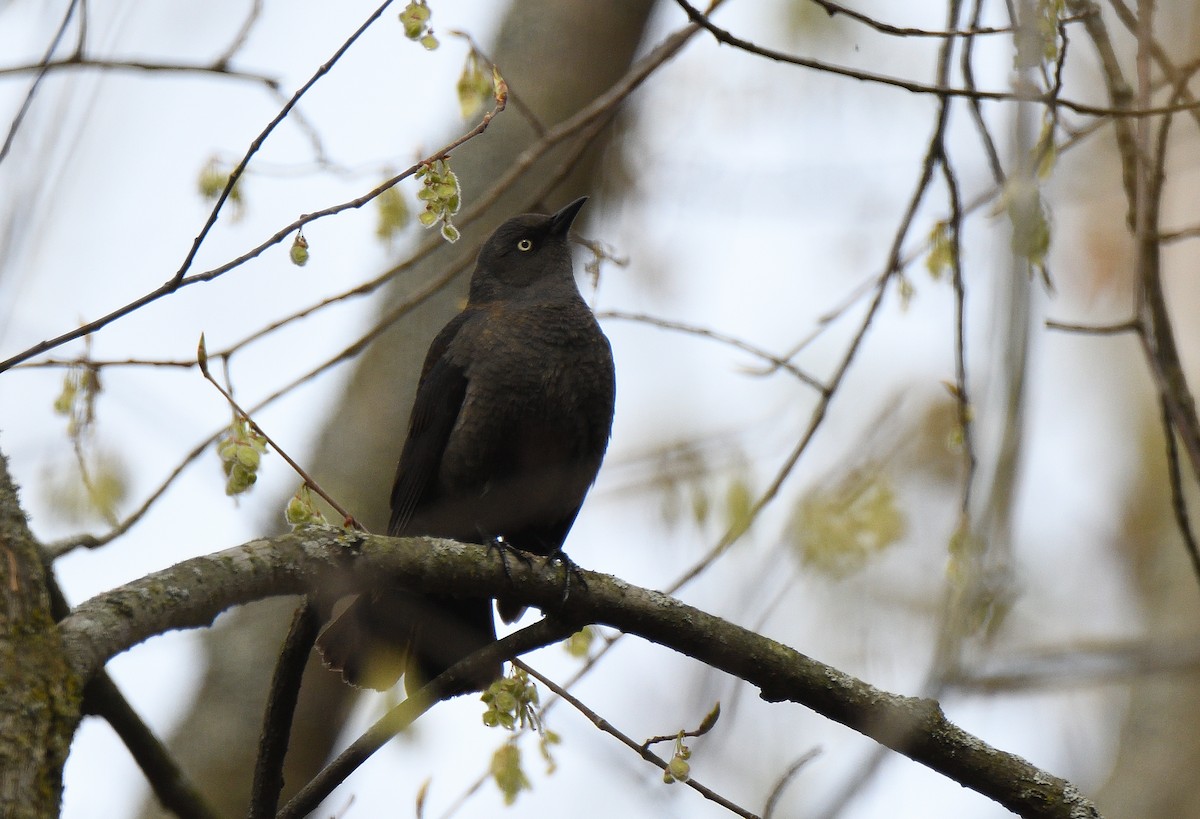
(510, 423)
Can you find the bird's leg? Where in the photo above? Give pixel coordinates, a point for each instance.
(502, 547)
(570, 567)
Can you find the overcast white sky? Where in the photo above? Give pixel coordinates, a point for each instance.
(766, 194)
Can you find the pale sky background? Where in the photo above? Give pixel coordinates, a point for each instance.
(765, 194)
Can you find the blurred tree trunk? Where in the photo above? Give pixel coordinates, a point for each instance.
(1158, 750)
(556, 55)
(1154, 773)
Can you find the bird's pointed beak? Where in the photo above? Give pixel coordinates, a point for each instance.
(560, 222)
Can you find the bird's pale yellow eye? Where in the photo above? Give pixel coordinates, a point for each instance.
(524, 244)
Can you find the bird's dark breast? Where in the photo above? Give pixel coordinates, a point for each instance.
(529, 438)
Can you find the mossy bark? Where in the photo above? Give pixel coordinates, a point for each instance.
(39, 709)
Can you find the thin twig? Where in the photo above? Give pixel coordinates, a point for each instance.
(935, 156)
(1179, 506)
(587, 124)
(786, 779)
(348, 520)
(1170, 71)
(1178, 235)
(891, 267)
(514, 96)
(923, 88)
(974, 30)
(42, 69)
(706, 725)
(172, 286)
(541, 633)
(79, 62)
(705, 332)
(258, 141)
(1158, 341)
(1120, 96)
(962, 393)
(641, 750)
(100, 364)
(1101, 663)
(243, 34)
(1131, 326)
(974, 104)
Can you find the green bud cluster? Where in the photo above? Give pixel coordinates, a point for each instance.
(299, 250)
(241, 452)
(442, 197)
(678, 769)
(302, 509)
(511, 703)
(77, 400)
(507, 772)
(941, 251)
(415, 19)
(393, 213)
(475, 88)
(579, 644)
(214, 176)
(511, 700)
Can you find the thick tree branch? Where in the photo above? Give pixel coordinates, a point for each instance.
(542, 633)
(103, 699)
(281, 708)
(171, 786)
(41, 702)
(194, 592)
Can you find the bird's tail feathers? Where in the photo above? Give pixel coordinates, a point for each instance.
(380, 636)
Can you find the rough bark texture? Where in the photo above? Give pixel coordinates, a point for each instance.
(556, 55)
(194, 592)
(40, 706)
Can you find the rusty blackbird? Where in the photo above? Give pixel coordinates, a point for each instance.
(510, 423)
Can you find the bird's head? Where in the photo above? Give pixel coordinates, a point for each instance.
(524, 252)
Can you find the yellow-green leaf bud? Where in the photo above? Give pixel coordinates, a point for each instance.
(299, 251)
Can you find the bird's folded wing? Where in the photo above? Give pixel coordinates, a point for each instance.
(439, 400)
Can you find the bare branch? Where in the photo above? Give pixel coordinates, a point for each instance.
(243, 34)
(1192, 232)
(194, 592)
(105, 64)
(237, 171)
(174, 285)
(281, 706)
(542, 633)
(641, 750)
(892, 266)
(704, 332)
(600, 111)
(1131, 326)
(348, 520)
(834, 9)
(943, 91)
(42, 71)
(176, 793)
